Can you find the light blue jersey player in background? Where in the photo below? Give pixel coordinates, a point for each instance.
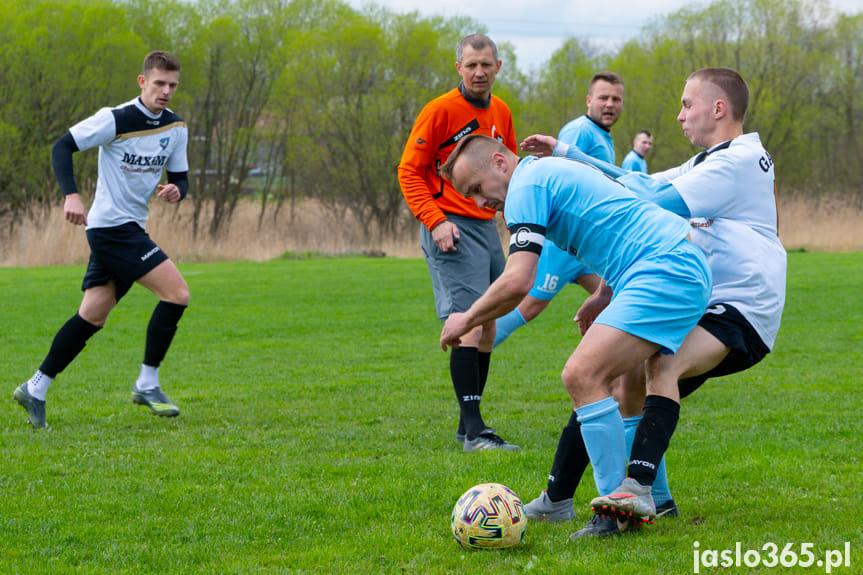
(557, 268)
(635, 159)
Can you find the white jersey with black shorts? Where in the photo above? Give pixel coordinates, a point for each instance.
(135, 146)
(729, 190)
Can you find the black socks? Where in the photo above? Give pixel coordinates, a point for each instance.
(570, 461)
(652, 437)
(68, 343)
(465, 372)
(161, 330)
(483, 359)
(72, 338)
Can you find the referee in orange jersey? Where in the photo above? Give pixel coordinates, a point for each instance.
(460, 241)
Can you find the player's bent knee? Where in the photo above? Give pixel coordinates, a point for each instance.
(182, 295)
(576, 382)
(98, 321)
(176, 291)
(489, 331)
(662, 375)
(658, 363)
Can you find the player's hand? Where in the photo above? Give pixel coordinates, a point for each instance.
(73, 209)
(592, 306)
(539, 145)
(169, 192)
(445, 236)
(454, 327)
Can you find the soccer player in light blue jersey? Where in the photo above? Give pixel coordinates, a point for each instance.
(655, 281)
(635, 159)
(591, 133)
(727, 192)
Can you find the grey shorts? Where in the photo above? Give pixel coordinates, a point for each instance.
(459, 278)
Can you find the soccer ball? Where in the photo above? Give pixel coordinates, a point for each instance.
(488, 516)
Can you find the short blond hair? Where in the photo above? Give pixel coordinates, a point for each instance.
(730, 83)
(476, 149)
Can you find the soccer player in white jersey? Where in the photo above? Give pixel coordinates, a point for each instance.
(728, 194)
(137, 141)
(659, 280)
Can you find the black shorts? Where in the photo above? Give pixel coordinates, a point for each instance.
(123, 254)
(728, 325)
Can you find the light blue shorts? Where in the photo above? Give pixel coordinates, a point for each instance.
(661, 298)
(555, 269)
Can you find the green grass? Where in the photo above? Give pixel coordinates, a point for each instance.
(318, 422)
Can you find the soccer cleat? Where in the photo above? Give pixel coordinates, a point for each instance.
(544, 509)
(631, 501)
(598, 526)
(667, 509)
(486, 440)
(35, 407)
(460, 435)
(157, 401)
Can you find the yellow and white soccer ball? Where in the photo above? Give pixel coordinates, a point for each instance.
(489, 516)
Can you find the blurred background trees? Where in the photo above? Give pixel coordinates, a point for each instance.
(297, 99)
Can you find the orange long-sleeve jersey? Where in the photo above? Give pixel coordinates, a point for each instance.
(438, 128)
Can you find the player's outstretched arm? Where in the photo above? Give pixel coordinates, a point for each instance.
(574, 153)
(539, 145)
(544, 146)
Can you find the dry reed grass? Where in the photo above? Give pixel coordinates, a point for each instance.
(46, 239)
(827, 224)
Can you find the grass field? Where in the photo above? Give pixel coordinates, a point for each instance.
(317, 433)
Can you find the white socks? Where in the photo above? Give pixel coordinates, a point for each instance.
(37, 386)
(149, 378)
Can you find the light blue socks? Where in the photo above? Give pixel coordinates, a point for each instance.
(604, 437)
(507, 324)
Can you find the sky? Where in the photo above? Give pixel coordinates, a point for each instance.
(536, 28)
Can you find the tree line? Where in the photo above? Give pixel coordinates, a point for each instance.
(294, 99)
